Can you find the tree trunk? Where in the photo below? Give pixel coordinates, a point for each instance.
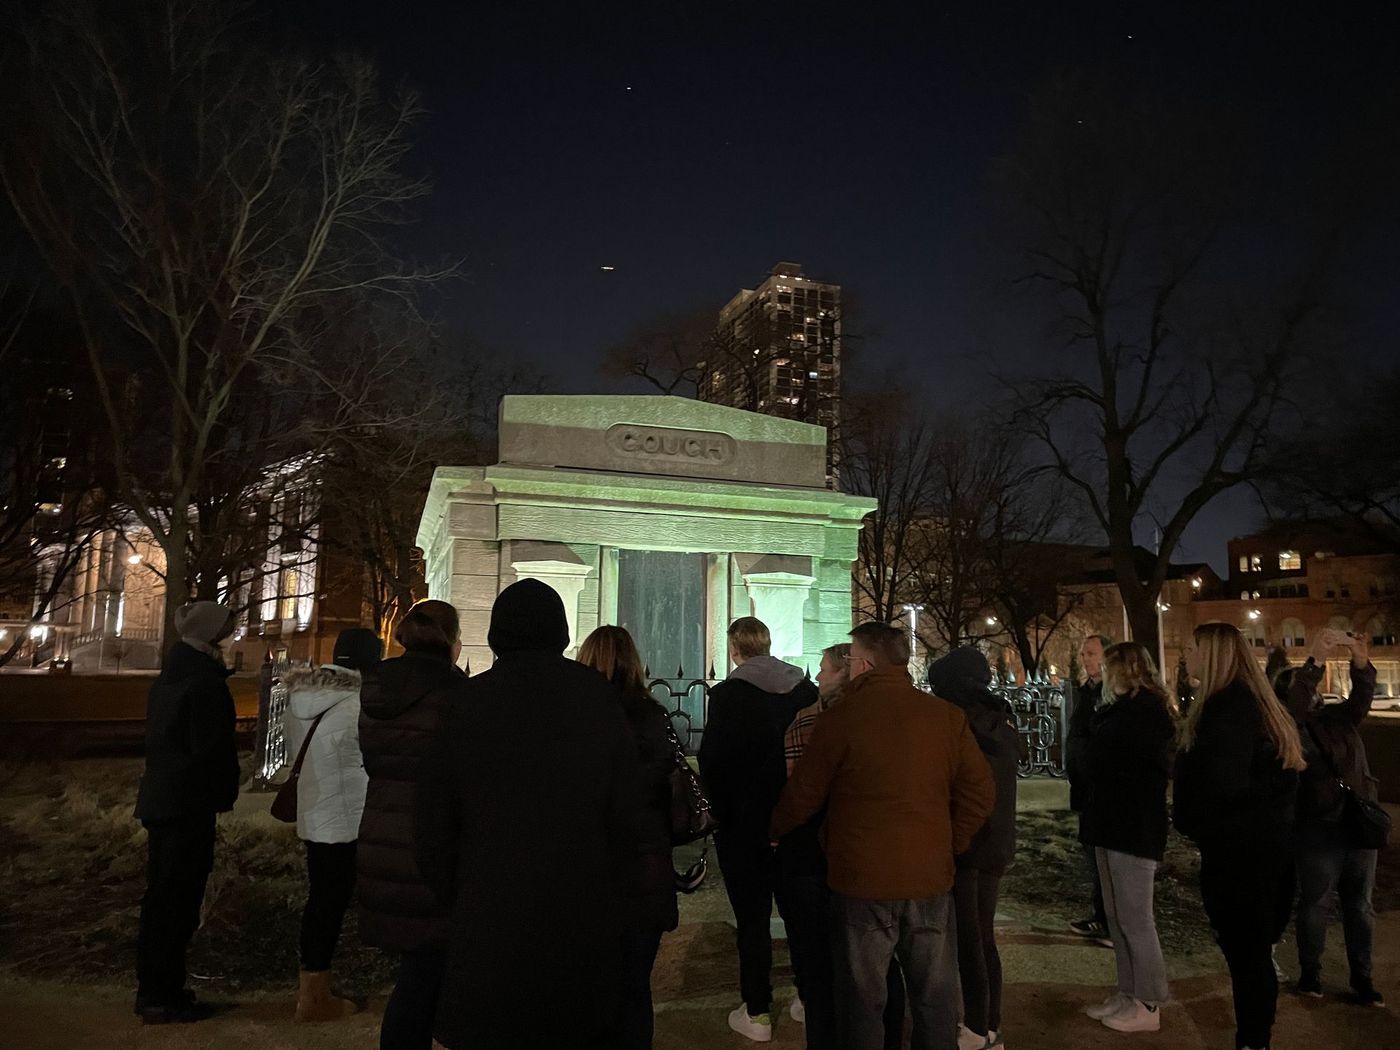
(177, 587)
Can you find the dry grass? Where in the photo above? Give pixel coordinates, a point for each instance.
(72, 866)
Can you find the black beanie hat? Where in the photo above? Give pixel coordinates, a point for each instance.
(357, 648)
(964, 669)
(528, 615)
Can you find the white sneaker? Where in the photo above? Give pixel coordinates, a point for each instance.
(1135, 1017)
(798, 1012)
(995, 1041)
(1111, 1005)
(759, 1029)
(970, 1040)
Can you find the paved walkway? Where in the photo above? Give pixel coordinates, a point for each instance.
(1049, 977)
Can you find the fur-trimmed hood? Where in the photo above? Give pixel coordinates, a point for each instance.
(315, 690)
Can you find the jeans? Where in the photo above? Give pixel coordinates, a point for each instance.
(1127, 896)
(636, 1023)
(412, 1007)
(330, 874)
(894, 1006)
(1351, 874)
(979, 962)
(179, 858)
(1248, 895)
(919, 933)
(805, 903)
(750, 878)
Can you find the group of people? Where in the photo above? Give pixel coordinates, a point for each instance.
(1264, 780)
(508, 834)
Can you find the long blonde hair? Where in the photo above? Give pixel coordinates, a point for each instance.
(1226, 659)
(1128, 668)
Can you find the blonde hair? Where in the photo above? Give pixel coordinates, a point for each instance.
(1128, 668)
(1226, 659)
(749, 636)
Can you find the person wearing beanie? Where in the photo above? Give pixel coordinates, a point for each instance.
(530, 824)
(323, 716)
(191, 775)
(963, 678)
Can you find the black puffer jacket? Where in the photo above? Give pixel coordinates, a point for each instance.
(1332, 745)
(651, 898)
(1125, 777)
(402, 704)
(962, 678)
(1230, 788)
(191, 753)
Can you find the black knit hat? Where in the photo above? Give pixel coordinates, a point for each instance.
(528, 615)
(358, 648)
(964, 669)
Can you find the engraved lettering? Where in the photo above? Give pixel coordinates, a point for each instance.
(668, 443)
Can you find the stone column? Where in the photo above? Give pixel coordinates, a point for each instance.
(779, 599)
(565, 577)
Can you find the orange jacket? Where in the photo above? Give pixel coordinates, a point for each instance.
(905, 786)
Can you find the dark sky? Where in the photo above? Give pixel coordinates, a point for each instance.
(691, 146)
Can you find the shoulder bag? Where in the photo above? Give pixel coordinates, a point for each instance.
(1365, 822)
(284, 803)
(691, 817)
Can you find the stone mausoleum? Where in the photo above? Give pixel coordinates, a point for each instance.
(668, 516)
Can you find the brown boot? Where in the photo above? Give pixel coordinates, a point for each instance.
(315, 1001)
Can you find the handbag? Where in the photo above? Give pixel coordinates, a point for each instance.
(691, 817)
(284, 803)
(1365, 822)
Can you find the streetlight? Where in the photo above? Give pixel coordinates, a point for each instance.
(135, 559)
(912, 611)
(991, 621)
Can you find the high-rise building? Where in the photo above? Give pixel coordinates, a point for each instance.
(777, 350)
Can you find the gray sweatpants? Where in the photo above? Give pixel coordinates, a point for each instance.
(1127, 898)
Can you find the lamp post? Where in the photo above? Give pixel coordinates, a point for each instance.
(912, 612)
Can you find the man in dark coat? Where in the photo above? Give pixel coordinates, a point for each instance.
(1083, 699)
(530, 821)
(191, 775)
(741, 760)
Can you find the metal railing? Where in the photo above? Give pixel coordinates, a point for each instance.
(1039, 707)
(270, 744)
(687, 702)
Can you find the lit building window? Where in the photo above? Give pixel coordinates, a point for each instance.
(1256, 563)
(1289, 560)
(1292, 634)
(1244, 563)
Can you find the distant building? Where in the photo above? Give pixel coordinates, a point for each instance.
(777, 350)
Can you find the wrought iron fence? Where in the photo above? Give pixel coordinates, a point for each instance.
(270, 744)
(687, 702)
(1039, 706)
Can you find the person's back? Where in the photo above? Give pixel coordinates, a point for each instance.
(742, 763)
(894, 824)
(906, 788)
(528, 826)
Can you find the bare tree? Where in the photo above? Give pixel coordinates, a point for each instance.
(1171, 371)
(886, 453)
(665, 353)
(206, 208)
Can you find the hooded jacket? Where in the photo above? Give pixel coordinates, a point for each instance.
(741, 752)
(191, 752)
(331, 788)
(402, 702)
(1083, 701)
(530, 824)
(962, 678)
(1333, 747)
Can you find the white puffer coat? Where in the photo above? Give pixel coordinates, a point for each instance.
(331, 792)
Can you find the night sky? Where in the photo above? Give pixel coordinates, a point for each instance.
(691, 146)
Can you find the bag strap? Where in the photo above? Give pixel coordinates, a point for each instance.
(306, 743)
(1327, 757)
